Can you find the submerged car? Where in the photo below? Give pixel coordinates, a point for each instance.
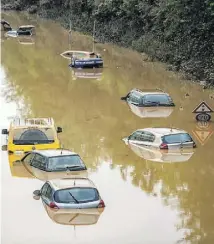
(83, 59)
(148, 98)
(53, 160)
(162, 156)
(33, 133)
(74, 217)
(79, 193)
(162, 138)
(24, 30)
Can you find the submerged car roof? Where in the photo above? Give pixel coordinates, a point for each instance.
(69, 183)
(163, 131)
(55, 152)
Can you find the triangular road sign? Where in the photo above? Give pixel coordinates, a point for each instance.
(202, 136)
(203, 108)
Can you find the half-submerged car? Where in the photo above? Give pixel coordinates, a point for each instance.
(53, 160)
(76, 217)
(148, 98)
(83, 59)
(24, 30)
(79, 193)
(162, 156)
(33, 133)
(161, 138)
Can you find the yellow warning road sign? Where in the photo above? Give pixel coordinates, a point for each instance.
(203, 107)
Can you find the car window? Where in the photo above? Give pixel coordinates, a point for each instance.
(44, 189)
(161, 99)
(134, 97)
(28, 136)
(147, 136)
(64, 162)
(137, 135)
(39, 162)
(28, 158)
(177, 138)
(49, 191)
(76, 195)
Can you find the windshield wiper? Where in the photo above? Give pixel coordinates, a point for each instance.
(73, 167)
(74, 198)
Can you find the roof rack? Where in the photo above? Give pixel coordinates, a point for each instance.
(33, 121)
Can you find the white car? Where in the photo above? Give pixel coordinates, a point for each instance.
(162, 138)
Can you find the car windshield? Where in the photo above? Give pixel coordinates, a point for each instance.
(31, 136)
(76, 195)
(177, 138)
(68, 162)
(157, 99)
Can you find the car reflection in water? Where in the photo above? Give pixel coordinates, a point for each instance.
(162, 156)
(74, 217)
(151, 112)
(24, 170)
(26, 40)
(95, 73)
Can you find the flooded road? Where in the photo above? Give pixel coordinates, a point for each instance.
(146, 201)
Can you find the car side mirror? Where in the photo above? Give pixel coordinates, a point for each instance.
(4, 147)
(4, 132)
(17, 162)
(123, 98)
(37, 193)
(59, 129)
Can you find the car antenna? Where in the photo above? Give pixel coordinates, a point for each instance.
(61, 151)
(74, 183)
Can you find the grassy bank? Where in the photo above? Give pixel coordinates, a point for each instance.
(177, 32)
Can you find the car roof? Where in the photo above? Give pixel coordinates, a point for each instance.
(59, 184)
(163, 131)
(149, 92)
(55, 152)
(32, 122)
(27, 26)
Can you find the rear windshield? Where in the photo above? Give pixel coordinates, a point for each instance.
(160, 99)
(65, 162)
(76, 195)
(31, 136)
(177, 138)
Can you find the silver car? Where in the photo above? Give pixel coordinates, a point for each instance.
(79, 193)
(161, 138)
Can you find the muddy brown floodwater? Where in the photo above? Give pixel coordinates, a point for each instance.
(146, 201)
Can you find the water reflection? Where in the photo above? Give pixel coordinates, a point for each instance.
(87, 74)
(74, 217)
(163, 156)
(151, 112)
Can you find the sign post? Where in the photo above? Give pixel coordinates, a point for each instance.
(203, 111)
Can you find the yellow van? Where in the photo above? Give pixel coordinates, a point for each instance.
(29, 134)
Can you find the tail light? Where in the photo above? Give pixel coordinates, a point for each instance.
(163, 146)
(101, 204)
(53, 205)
